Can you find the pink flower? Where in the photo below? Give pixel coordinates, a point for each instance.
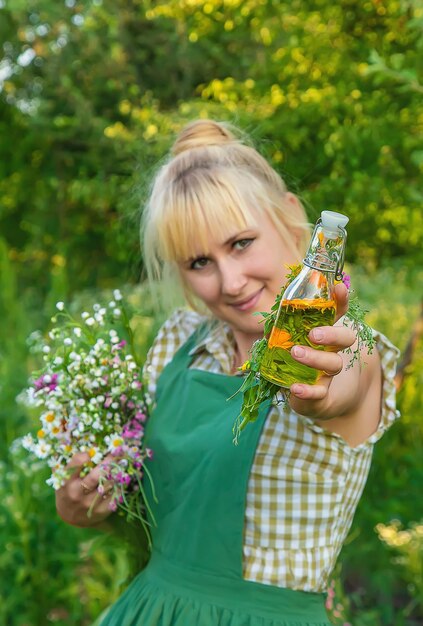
(41, 383)
(346, 279)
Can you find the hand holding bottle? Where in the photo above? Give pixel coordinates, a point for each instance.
(308, 302)
(329, 360)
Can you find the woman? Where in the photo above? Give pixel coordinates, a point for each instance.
(245, 535)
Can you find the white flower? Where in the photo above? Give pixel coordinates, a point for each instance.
(85, 315)
(112, 304)
(96, 307)
(117, 312)
(42, 450)
(28, 442)
(103, 311)
(117, 295)
(77, 331)
(60, 306)
(95, 455)
(67, 341)
(90, 321)
(112, 333)
(55, 481)
(113, 441)
(46, 349)
(58, 360)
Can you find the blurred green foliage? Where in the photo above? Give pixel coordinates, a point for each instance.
(92, 93)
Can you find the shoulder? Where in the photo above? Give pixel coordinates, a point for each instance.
(172, 335)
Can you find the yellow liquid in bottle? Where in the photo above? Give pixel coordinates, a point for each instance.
(295, 320)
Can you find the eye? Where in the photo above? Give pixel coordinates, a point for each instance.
(241, 244)
(199, 264)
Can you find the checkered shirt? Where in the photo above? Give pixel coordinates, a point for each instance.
(305, 481)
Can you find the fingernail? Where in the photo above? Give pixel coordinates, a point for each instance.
(297, 390)
(317, 334)
(298, 351)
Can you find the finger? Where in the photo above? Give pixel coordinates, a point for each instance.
(333, 337)
(310, 392)
(96, 477)
(341, 297)
(79, 459)
(330, 363)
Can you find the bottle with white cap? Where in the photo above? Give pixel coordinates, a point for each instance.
(307, 302)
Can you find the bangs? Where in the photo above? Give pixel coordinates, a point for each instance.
(205, 203)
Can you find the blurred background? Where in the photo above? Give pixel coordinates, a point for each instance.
(91, 96)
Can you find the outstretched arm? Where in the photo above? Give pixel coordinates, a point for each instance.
(345, 399)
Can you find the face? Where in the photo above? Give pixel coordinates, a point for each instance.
(240, 276)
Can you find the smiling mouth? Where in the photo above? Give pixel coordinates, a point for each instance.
(248, 303)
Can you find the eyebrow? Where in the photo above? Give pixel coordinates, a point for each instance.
(237, 236)
(225, 243)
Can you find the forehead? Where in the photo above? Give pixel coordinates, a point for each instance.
(194, 230)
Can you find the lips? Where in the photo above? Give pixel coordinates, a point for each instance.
(248, 303)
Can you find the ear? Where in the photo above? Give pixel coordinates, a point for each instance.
(293, 200)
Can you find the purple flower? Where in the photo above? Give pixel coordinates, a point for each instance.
(50, 383)
(346, 279)
(140, 416)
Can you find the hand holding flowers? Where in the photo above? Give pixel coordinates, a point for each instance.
(91, 405)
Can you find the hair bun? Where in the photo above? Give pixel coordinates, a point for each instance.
(202, 133)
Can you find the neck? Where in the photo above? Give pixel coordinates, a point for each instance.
(243, 344)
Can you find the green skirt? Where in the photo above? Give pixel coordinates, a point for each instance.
(165, 594)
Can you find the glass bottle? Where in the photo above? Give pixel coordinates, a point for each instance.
(307, 302)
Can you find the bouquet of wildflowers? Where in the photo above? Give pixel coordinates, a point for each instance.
(90, 399)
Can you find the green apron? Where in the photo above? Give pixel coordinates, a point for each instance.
(194, 576)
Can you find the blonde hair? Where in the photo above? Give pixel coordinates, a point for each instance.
(212, 182)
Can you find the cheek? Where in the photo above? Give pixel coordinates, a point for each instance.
(204, 287)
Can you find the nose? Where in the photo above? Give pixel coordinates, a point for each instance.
(233, 279)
